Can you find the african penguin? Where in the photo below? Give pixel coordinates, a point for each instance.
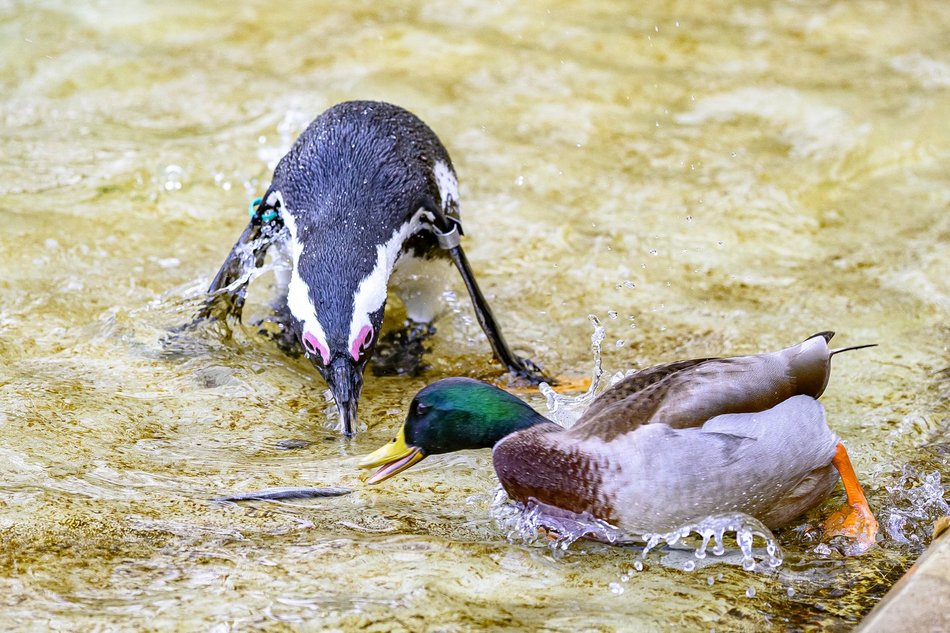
(366, 186)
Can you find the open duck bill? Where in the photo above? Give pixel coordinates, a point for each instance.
(392, 458)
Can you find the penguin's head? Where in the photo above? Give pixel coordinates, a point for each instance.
(342, 255)
(338, 297)
(342, 365)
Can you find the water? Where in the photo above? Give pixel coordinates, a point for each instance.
(723, 180)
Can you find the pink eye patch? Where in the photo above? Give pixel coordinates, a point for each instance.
(313, 347)
(362, 341)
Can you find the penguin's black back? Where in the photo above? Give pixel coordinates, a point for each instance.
(363, 161)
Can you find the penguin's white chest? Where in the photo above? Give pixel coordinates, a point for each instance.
(420, 284)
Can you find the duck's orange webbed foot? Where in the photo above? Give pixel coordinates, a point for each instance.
(856, 523)
(854, 520)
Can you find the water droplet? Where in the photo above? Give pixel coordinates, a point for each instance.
(638, 565)
(710, 580)
(750, 592)
(791, 592)
(654, 252)
(689, 565)
(173, 178)
(629, 284)
(616, 588)
(519, 181)
(612, 314)
(620, 342)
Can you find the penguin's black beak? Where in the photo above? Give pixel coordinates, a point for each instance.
(344, 376)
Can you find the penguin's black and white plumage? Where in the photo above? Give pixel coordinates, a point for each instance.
(366, 186)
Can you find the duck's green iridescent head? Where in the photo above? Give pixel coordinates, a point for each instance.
(450, 415)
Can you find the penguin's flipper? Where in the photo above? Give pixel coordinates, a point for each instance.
(522, 368)
(228, 289)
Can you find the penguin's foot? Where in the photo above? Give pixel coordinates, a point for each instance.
(399, 352)
(279, 328)
(526, 373)
(562, 384)
(856, 523)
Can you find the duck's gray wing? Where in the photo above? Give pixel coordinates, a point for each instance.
(772, 464)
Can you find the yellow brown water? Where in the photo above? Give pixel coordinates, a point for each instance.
(706, 179)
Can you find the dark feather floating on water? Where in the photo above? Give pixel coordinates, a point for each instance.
(283, 494)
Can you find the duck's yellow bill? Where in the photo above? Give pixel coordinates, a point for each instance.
(393, 457)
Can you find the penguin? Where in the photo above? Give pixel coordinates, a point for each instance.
(367, 188)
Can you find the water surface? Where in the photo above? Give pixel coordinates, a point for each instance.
(706, 180)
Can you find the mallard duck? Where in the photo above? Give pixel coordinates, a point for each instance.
(664, 446)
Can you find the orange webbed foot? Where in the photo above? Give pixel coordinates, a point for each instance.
(856, 523)
(854, 520)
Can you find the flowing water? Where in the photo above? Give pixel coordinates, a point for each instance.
(705, 179)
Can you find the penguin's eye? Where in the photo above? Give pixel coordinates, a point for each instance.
(314, 349)
(362, 343)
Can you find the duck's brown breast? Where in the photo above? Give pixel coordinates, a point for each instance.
(539, 464)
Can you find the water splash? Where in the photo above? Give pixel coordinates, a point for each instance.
(713, 529)
(917, 500)
(538, 524)
(190, 297)
(565, 410)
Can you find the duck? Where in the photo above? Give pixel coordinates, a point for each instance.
(664, 446)
(367, 193)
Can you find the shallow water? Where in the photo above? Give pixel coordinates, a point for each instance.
(706, 180)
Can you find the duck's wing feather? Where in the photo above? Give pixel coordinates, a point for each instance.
(632, 385)
(689, 393)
